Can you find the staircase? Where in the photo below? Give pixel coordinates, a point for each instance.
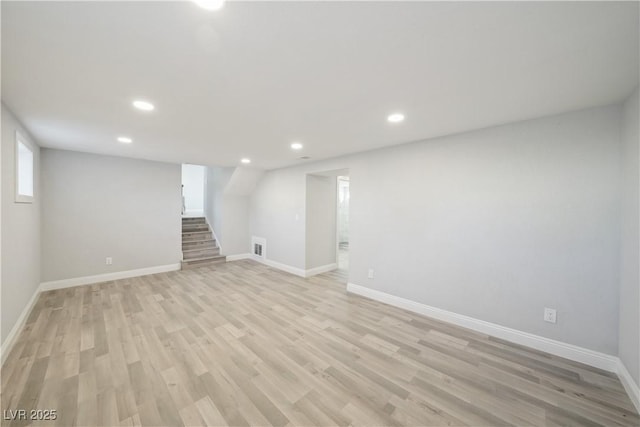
(199, 248)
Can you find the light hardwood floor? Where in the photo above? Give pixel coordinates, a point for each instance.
(243, 344)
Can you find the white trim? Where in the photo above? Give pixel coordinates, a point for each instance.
(320, 270)
(294, 270)
(213, 232)
(238, 257)
(9, 342)
(629, 385)
(284, 267)
(558, 348)
(569, 351)
(87, 280)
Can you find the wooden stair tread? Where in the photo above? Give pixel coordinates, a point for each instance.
(208, 257)
(202, 248)
(188, 242)
(199, 248)
(202, 257)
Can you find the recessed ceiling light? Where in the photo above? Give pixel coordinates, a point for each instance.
(210, 4)
(125, 139)
(143, 105)
(395, 118)
(296, 146)
(246, 161)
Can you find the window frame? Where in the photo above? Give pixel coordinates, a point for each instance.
(24, 198)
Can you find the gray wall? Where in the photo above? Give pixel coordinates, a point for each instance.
(277, 213)
(101, 206)
(320, 219)
(495, 224)
(216, 179)
(629, 349)
(228, 214)
(20, 230)
(236, 225)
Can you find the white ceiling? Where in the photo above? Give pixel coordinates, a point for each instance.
(251, 78)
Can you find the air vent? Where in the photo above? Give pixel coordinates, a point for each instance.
(305, 158)
(258, 248)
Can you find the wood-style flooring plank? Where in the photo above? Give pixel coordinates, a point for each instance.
(243, 344)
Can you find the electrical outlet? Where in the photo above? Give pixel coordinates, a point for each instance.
(550, 315)
(109, 260)
(370, 274)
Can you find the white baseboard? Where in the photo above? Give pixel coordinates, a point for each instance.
(213, 232)
(568, 351)
(284, 267)
(629, 385)
(87, 280)
(9, 342)
(295, 270)
(320, 270)
(238, 257)
(557, 348)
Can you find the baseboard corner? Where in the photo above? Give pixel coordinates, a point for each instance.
(238, 257)
(280, 266)
(632, 388)
(9, 342)
(319, 270)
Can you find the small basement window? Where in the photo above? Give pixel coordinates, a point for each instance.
(24, 170)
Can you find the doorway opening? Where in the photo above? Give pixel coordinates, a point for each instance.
(327, 224)
(342, 225)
